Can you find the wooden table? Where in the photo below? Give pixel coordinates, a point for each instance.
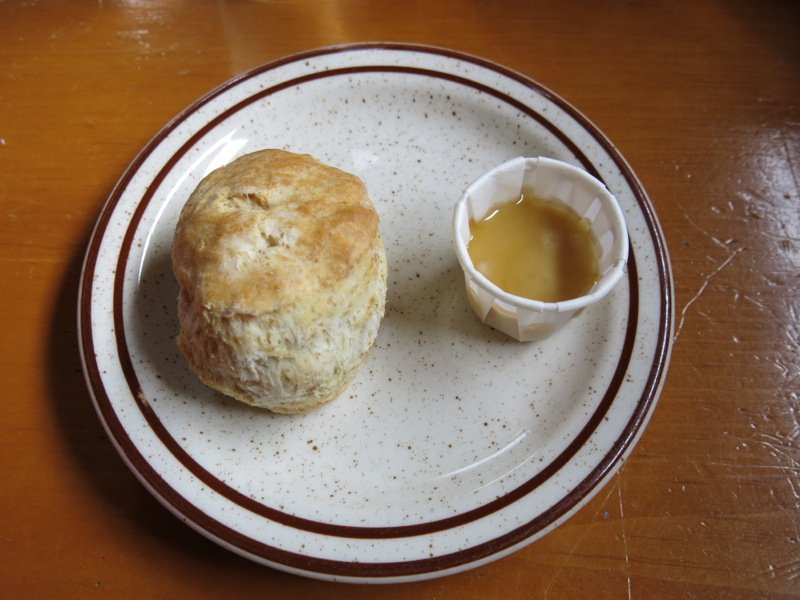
(702, 98)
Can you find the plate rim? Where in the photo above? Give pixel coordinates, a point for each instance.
(370, 571)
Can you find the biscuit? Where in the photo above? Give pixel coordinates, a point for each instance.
(282, 274)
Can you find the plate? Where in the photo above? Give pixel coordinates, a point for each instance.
(455, 445)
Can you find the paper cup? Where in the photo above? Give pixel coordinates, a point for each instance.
(522, 318)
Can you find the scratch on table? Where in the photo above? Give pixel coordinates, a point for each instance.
(757, 303)
(713, 238)
(780, 452)
(572, 550)
(625, 542)
(702, 288)
(789, 571)
(795, 489)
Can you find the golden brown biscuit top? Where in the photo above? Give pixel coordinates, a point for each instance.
(270, 228)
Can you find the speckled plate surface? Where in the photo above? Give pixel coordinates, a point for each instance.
(455, 445)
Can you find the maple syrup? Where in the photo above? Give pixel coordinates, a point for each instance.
(536, 248)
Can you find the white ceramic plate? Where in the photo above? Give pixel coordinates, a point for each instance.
(455, 445)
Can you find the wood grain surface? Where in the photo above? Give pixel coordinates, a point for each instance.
(702, 98)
